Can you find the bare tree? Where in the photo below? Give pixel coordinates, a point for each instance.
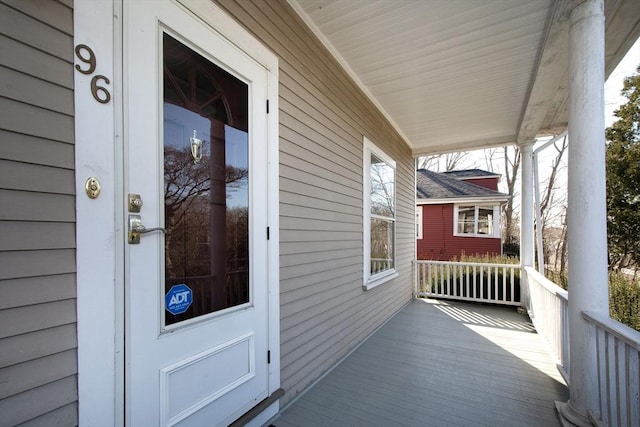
(511, 168)
(553, 206)
(489, 158)
(452, 160)
(547, 201)
(445, 162)
(430, 162)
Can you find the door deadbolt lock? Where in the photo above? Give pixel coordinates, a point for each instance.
(92, 187)
(135, 203)
(136, 229)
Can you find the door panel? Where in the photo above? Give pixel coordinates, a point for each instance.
(196, 294)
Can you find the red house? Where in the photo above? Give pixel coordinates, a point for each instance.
(458, 212)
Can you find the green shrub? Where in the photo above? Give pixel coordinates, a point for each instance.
(624, 300)
(624, 296)
(488, 259)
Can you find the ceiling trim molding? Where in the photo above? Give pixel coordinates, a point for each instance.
(345, 65)
(551, 68)
(469, 145)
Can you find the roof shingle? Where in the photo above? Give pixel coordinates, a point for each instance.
(436, 185)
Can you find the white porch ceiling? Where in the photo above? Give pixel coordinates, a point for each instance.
(462, 74)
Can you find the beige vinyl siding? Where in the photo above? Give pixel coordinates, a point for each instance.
(323, 118)
(38, 363)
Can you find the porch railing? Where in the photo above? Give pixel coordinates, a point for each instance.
(380, 264)
(618, 352)
(548, 308)
(469, 281)
(616, 345)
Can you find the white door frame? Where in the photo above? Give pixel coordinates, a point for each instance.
(100, 227)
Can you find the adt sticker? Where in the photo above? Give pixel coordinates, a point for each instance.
(178, 299)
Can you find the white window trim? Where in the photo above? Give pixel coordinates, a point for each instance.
(419, 222)
(371, 281)
(496, 221)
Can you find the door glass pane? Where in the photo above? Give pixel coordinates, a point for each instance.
(206, 184)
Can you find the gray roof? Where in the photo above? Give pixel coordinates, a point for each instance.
(471, 173)
(436, 185)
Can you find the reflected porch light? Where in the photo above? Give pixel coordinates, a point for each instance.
(196, 147)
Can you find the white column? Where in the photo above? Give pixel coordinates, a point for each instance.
(526, 215)
(538, 214)
(587, 233)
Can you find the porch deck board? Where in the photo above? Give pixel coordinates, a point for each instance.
(439, 363)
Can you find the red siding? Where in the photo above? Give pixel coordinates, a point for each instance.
(438, 241)
(490, 183)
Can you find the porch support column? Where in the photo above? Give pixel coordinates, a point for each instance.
(526, 215)
(587, 232)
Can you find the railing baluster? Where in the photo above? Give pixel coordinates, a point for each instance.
(504, 284)
(513, 293)
(618, 358)
(483, 294)
(633, 366)
(496, 284)
(475, 275)
(467, 281)
(448, 270)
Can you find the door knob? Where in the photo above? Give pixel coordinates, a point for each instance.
(136, 229)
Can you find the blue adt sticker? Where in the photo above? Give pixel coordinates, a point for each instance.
(178, 299)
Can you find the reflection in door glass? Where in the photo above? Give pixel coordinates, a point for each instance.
(206, 183)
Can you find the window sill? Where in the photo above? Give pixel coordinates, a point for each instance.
(379, 280)
(484, 236)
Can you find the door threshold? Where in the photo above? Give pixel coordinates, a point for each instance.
(256, 410)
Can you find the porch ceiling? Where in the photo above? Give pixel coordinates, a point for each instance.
(461, 74)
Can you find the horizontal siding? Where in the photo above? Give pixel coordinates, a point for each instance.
(323, 118)
(30, 149)
(37, 405)
(25, 347)
(17, 264)
(490, 183)
(32, 318)
(38, 372)
(31, 31)
(26, 206)
(439, 243)
(36, 63)
(58, 15)
(23, 118)
(22, 235)
(36, 290)
(38, 341)
(27, 89)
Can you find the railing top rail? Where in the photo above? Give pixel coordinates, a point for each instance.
(612, 326)
(547, 284)
(479, 264)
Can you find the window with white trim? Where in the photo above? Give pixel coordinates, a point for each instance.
(419, 222)
(379, 216)
(477, 220)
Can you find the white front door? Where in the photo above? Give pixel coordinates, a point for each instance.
(196, 312)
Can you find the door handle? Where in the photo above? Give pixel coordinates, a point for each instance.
(136, 229)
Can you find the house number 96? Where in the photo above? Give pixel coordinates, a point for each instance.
(85, 54)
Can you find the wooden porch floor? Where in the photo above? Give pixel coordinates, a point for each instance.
(439, 363)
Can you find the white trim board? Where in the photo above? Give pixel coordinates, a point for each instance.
(99, 237)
